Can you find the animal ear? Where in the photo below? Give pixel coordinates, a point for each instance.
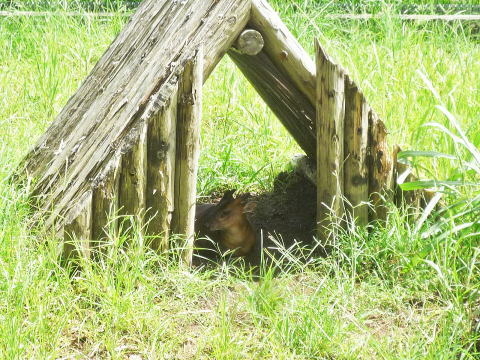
(227, 196)
(250, 207)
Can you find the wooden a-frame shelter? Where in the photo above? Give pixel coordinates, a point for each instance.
(128, 140)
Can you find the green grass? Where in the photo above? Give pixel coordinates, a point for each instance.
(387, 294)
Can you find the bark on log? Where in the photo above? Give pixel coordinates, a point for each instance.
(160, 174)
(127, 86)
(284, 50)
(291, 107)
(355, 147)
(380, 184)
(189, 114)
(250, 42)
(330, 135)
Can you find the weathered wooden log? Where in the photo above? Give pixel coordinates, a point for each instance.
(127, 86)
(105, 199)
(133, 174)
(284, 50)
(380, 161)
(355, 152)
(189, 114)
(77, 229)
(330, 145)
(291, 107)
(250, 42)
(161, 144)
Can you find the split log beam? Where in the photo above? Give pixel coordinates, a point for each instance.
(284, 50)
(161, 150)
(189, 114)
(330, 145)
(129, 84)
(355, 148)
(380, 161)
(290, 106)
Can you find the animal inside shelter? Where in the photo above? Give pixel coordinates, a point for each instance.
(127, 142)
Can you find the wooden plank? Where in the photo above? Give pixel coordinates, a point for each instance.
(77, 229)
(105, 200)
(355, 148)
(281, 95)
(283, 49)
(380, 184)
(133, 174)
(127, 86)
(161, 145)
(330, 144)
(189, 115)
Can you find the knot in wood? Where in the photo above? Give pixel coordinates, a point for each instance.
(188, 99)
(283, 55)
(232, 20)
(358, 180)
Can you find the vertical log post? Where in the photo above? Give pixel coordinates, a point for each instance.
(77, 229)
(160, 173)
(330, 108)
(105, 199)
(189, 114)
(380, 185)
(356, 143)
(132, 187)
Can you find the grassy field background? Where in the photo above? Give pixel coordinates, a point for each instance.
(390, 293)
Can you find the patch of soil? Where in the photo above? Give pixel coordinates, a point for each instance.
(287, 214)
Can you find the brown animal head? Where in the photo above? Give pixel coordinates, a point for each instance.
(229, 212)
(226, 222)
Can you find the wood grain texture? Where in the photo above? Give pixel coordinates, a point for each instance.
(330, 140)
(250, 42)
(283, 49)
(290, 106)
(129, 84)
(189, 115)
(355, 152)
(133, 175)
(77, 229)
(380, 184)
(105, 190)
(161, 150)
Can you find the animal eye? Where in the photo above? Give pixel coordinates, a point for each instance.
(225, 213)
